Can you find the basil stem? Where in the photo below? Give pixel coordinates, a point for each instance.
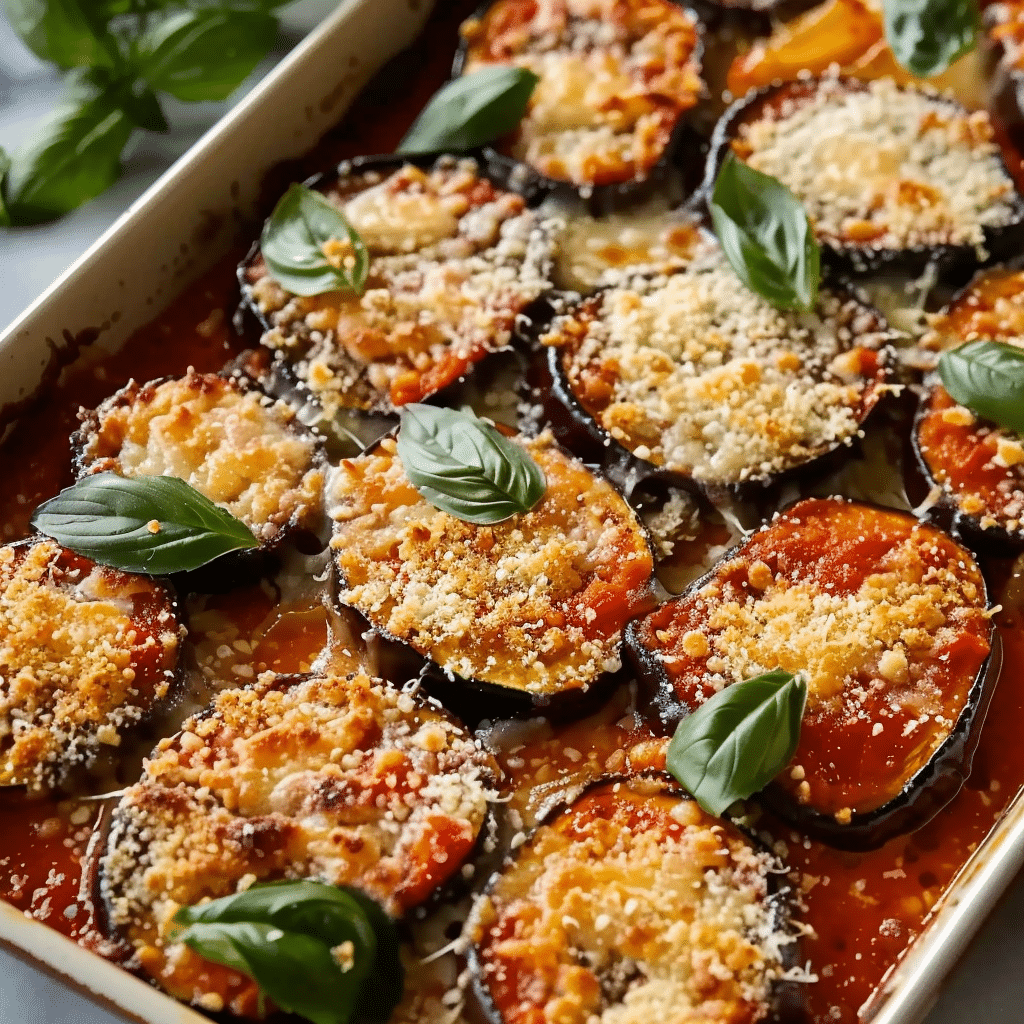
(987, 377)
(325, 953)
(150, 524)
(765, 235)
(464, 466)
(926, 36)
(472, 110)
(736, 743)
(293, 241)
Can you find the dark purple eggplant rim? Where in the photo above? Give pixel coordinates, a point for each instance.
(923, 795)
(176, 685)
(955, 263)
(787, 996)
(947, 512)
(503, 172)
(613, 196)
(105, 836)
(500, 700)
(573, 425)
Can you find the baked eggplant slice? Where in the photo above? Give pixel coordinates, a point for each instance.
(346, 780)
(233, 444)
(456, 255)
(529, 610)
(697, 377)
(86, 652)
(633, 904)
(886, 617)
(615, 79)
(889, 175)
(978, 468)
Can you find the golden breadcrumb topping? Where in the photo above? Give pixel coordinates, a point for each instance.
(239, 448)
(535, 603)
(85, 652)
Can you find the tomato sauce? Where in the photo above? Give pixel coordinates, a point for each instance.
(863, 909)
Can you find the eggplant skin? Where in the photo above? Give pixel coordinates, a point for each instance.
(865, 221)
(630, 85)
(347, 780)
(977, 469)
(72, 692)
(530, 609)
(694, 378)
(855, 597)
(458, 253)
(224, 436)
(557, 933)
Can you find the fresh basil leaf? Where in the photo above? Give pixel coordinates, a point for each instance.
(765, 235)
(138, 102)
(987, 377)
(299, 973)
(293, 242)
(738, 741)
(65, 32)
(926, 36)
(113, 520)
(204, 54)
(5, 165)
(325, 914)
(74, 155)
(471, 110)
(465, 467)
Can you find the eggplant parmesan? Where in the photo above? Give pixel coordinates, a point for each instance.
(990, 308)
(86, 652)
(886, 173)
(534, 605)
(615, 79)
(632, 906)
(695, 374)
(885, 616)
(233, 444)
(454, 260)
(347, 780)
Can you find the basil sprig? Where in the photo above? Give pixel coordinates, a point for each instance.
(736, 743)
(325, 953)
(293, 242)
(472, 110)
(465, 467)
(122, 54)
(987, 377)
(150, 524)
(926, 36)
(765, 235)
(5, 164)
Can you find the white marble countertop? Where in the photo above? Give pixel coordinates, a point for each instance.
(988, 985)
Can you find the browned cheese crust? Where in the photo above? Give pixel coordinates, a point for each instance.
(345, 780)
(536, 603)
(632, 907)
(694, 372)
(233, 444)
(85, 652)
(615, 78)
(453, 261)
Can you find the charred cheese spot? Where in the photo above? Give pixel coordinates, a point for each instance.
(234, 445)
(453, 261)
(615, 76)
(885, 615)
(536, 603)
(632, 906)
(345, 780)
(696, 373)
(978, 465)
(86, 652)
(881, 167)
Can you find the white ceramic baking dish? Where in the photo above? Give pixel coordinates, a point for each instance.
(182, 226)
